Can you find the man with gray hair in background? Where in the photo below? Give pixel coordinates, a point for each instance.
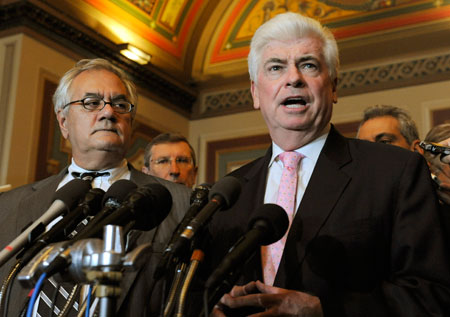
(390, 125)
(364, 237)
(95, 104)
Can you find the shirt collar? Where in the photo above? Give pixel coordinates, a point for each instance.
(310, 151)
(114, 173)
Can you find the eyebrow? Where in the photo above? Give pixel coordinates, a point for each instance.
(378, 137)
(101, 96)
(284, 61)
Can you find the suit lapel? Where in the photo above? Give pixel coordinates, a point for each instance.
(325, 187)
(39, 199)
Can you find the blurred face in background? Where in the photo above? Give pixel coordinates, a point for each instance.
(173, 162)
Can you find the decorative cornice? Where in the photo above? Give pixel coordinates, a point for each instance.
(30, 15)
(352, 82)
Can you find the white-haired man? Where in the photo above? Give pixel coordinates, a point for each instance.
(364, 236)
(95, 106)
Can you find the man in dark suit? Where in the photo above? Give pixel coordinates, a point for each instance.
(95, 106)
(365, 237)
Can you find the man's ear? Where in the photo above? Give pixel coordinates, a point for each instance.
(145, 169)
(416, 148)
(255, 95)
(335, 97)
(62, 121)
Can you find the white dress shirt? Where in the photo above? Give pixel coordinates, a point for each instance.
(311, 152)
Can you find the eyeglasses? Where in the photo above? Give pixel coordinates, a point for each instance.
(165, 162)
(435, 148)
(93, 103)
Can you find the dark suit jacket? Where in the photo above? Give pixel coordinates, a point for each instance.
(23, 205)
(366, 238)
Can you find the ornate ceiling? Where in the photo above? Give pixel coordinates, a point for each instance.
(203, 44)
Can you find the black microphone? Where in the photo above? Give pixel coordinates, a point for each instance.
(112, 200)
(88, 207)
(199, 198)
(65, 199)
(268, 225)
(145, 208)
(221, 196)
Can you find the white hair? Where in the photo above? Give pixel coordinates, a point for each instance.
(291, 26)
(62, 95)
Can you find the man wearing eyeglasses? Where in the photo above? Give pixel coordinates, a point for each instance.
(170, 156)
(95, 106)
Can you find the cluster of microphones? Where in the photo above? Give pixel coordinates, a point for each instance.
(57, 242)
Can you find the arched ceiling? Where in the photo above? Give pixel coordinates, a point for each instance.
(200, 39)
(202, 44)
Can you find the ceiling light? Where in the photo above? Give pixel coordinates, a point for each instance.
(135, 54)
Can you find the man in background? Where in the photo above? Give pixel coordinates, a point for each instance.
(364, 236)
(389, 125)
(95, 103)
(170, 156)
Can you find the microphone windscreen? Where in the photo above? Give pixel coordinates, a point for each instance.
(273, 219)
(119, 190)
(154, 208)
(229, 188)
(71, 192)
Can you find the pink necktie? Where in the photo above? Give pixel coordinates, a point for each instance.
(271, 254)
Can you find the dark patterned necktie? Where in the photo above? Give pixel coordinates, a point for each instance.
(89, 176)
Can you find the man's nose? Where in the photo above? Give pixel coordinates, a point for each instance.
(174, 169)
(107, 112)
(295, 77)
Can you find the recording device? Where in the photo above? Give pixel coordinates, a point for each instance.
(64, 200)
(112, 200)
(144, 208)
(221, 196)
(199, 198)
(435, 148)
(88, 207)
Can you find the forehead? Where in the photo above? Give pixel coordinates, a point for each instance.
(97, 81)
(293, 48)
(381, 125)
(171, 149)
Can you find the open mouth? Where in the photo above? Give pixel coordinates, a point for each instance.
(106, 130)
(294, 102)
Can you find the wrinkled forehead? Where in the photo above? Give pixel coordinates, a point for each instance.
(97, 82)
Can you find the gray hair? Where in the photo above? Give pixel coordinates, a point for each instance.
(408, 127)
(291, 26)
(165, 138)
(438, 133)
(62, 95)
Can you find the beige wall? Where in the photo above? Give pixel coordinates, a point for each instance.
(35, 62)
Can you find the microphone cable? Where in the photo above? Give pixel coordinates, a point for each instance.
(36, 291)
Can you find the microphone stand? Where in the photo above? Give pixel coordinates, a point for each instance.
(175, 288)
(109, 277)
(196, 259)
